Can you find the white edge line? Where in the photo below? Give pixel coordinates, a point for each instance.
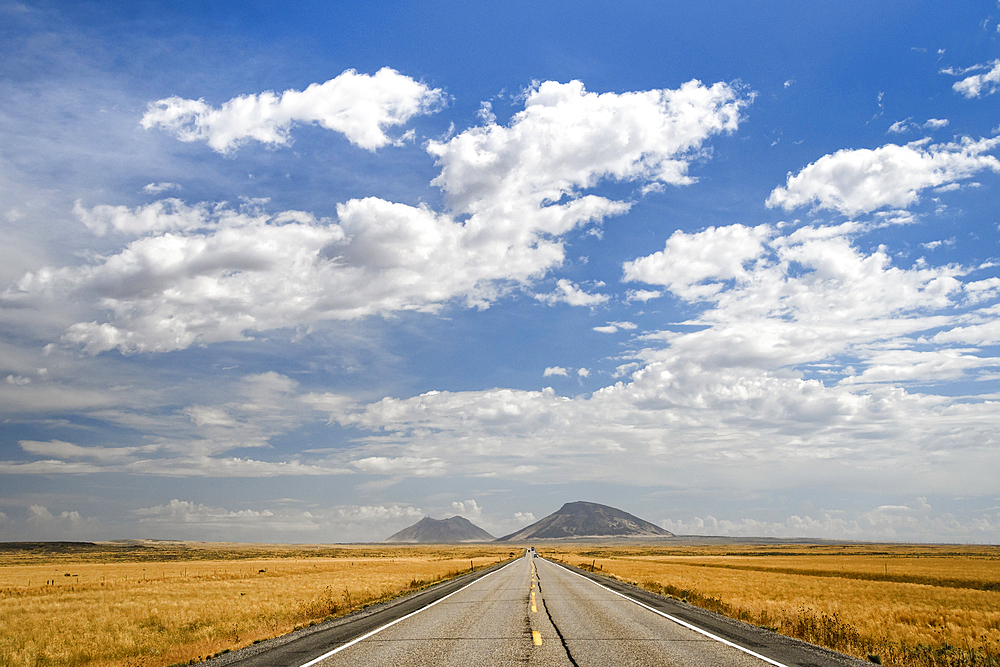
(679, 622)
(402, 618)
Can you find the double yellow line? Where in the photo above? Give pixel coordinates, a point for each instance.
(535, 635)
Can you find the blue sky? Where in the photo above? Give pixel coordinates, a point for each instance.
(306, 274)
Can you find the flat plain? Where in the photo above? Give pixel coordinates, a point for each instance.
(895, 604)
(169, 603)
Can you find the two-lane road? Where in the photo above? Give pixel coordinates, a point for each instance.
(485, 623)
(536, 612)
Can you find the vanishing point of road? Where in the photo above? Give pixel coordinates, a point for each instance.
(535, 612)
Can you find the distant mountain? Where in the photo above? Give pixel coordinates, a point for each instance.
(442, 531)
(583, 519)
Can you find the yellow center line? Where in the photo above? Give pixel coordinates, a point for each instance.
(536, 637)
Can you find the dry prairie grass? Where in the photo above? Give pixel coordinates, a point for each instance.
(908, 605)
(66, 610)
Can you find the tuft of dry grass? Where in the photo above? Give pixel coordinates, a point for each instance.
(135, 609)
(904, 604)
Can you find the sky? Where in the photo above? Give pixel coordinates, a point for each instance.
(309, 272)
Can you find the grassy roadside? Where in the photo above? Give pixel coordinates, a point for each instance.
(905, 606)
(59, 609)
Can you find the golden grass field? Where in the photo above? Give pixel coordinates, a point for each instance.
(904, 604)
(168, 603)
(177, 603)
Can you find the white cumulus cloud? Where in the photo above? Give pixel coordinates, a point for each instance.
(467, 508)
(978, 85)
(900, 126)
(567, 138)
(194, 274)
(43, 524)
(360, 106)
(854, 181)
(336, 524)
(161, 216)
(907, 125)
(159, 188)
(799, 359)
(643, 295)
(614, 327)
(916, 521)
(696, 265)
(569, 293)
(182, 511)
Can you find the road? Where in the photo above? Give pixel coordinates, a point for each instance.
(536, 612)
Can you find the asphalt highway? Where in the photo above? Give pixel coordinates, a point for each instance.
(533, 611)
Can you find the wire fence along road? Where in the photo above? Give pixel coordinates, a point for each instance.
(533, 611)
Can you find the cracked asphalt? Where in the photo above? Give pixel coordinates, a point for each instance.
(535, 612)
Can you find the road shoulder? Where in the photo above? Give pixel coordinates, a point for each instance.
(786, 650)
